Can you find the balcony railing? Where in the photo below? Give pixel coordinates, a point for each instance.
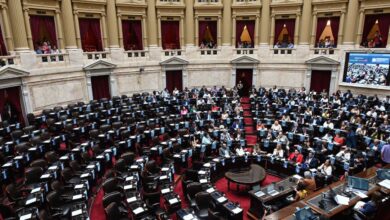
(208, 51)
(9, 60)
(52, 58)
(172, 53)
(98, 55)
(244, 51)
(324, 51)
(283, 51)
(136, 53)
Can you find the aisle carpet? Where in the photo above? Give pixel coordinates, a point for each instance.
(250, 134)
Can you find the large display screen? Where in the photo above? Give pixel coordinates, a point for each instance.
(367, 69)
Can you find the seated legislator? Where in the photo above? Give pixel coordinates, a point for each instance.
(224, 151)
(338, 140)
(276, 126)
(326, 168)
(278, 151)
(311, 161)
(308, 181)
(300, 192)
(344, 153)
(296, 157)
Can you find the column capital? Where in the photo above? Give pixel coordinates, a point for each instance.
(26, 9)
(76, 12)
(361, 11)
(57, 11)
(119, 15)
(4, 7)
(315, 13)
(298, 14)
(103, 14)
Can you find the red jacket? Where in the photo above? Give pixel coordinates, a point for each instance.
(296, 158)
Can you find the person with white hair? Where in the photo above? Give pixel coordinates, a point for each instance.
(308, 181)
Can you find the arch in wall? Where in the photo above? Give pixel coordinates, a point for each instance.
(244, 63)
(11, 77)
(174, 64)
(322, 63)
(100, 68)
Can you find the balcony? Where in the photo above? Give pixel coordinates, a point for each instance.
(136, 53)
(207, 52)
(52, 58)
(173, 53)
(98, 55)
(283, 51)
(244, 51)
(324, 51)
(9, 60)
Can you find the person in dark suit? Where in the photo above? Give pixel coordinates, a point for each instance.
(224, 151)
(311, 161)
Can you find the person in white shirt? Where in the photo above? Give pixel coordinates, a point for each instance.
(240, 151)
(175, 91)
(327, 137)
(326, 168)
(344, 153)
(278, 151)
(276, 126)
(328, 124)
(206, 139)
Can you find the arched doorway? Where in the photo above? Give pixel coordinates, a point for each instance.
(244, 76)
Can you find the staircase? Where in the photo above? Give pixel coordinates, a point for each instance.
(250, 133)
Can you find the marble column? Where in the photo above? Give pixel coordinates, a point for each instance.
(59, 30)
(265, 22)
(359, 33)
(341, 28)
(272, 31)
(350, 29)
(296, 30)
(68, 24)
(152, 23)
(219, 34)
(181, 23)
(313, 30)
(257, 23)
(189, 22)
(144, 32)
(197, 30)
(28, 28)
(77, 28)
(304, 33)
(112, 24)
(120, 30)
(18, 26)
(104, 30)
(227, 24)
(234, 21)
(7, 30)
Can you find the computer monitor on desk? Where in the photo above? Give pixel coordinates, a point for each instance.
(305, 213)
(358, 183)
(383, 174)
(271, 189)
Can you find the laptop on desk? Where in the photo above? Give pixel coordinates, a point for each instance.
(358, 184)
(271, 190)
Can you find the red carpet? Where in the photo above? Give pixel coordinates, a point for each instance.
(248, 130)
(247, 113)
(251, 140)
(241, 197)
(97, 210)
(248, 121)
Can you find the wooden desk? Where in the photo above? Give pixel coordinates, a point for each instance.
(286, 212)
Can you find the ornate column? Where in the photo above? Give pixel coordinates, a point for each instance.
(104, 30)
(359, 33)
(196, 30)
(153, 35)
(341, 27)
(112, 25)
(181, 23)
(265, 22)
(233, 43)
(120, 30)
(144, 32)
(350, 29)
(7, 31)
(59, 29)
(18, 26)
(296, 30)
(257, 22)
(388, 40)
(28, 28)
(189, 22)
(304, 32)
(68, 24)
(219, 34)
(77, 27)
(227, 28)
(314, 30)
(159, 30)
(272, 35)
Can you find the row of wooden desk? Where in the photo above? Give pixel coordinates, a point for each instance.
(287, 213)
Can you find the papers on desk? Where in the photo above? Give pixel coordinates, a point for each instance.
(25, 217)
(164, 169)
(134, 167)
(259, 193)
(341, 200)
(53, 168)
(360, 194)
(359, 205)
(90, 166)
(7, 164)
(237, 210)
(138, 210)
(44, 176)
(385, 183)
(210, 190)
(188, 217)
(36, 190)
(30, 201)
(132, 199)
(18, 157)
(84, 175)
(79, 186)
(165, 191)
(77, 212)
(163, 177)
(203, 181)
(201, 172)
(173, 201)
(128, 187)
(64, 158)
(216, 160)
(207, 165)
(78, 196)
(221, 199)
(129, 178)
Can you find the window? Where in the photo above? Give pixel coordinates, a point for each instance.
(132, 34)
(375, 31)
(91, 38)
(43, 31)
(327, 32)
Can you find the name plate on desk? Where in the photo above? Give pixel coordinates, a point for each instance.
(259, 193)
(25, 217)
(30, 201)
(237, 210)
(77, 212)
(221, 199)
(132, 199)
(173, 201)
(79, 196)
(128, 187)
(188, 217)
(138, 210)
(210, 190)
